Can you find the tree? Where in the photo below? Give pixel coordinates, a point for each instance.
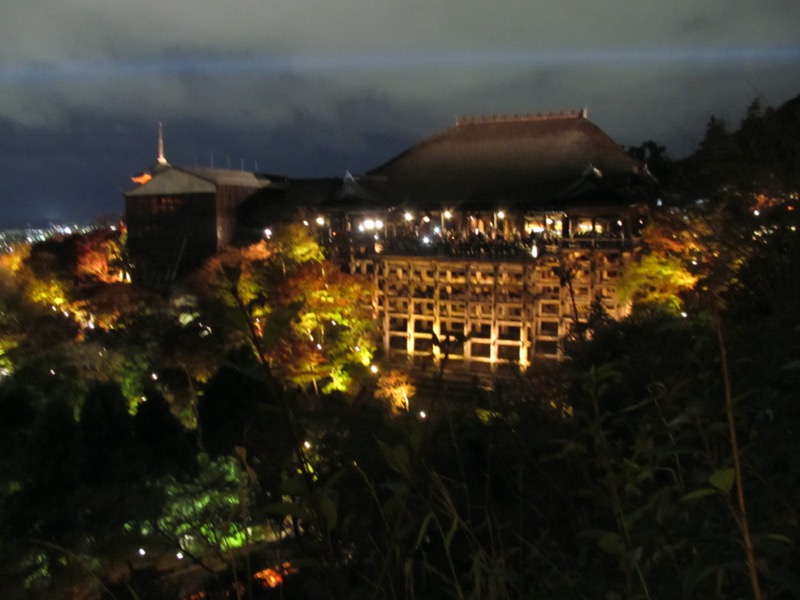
(396, 387)
(313, 322)
(661, 274)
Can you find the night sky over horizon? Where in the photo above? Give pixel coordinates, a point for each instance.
(314, 88)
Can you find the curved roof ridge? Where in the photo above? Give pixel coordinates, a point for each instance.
(524, 117)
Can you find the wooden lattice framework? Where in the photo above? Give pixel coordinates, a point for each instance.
(494, 313)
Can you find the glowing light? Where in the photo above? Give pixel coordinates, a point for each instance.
(305, 222)
(142, 178)
(154, 377)
(534, 251)
(142, 552)
(436, 230)
(501, 214)
(320, 220)
(684, 314)
(423, 414)
(756, 212)
(373, 369)
(307, 445)
(368, 224)
(408, 216)
(448, 214)
(272, 578)
(179, 556)
(268, 233)
(52, 372)
(378, 224)
(426, 240)
(426, 219)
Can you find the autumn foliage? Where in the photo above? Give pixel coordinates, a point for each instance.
(313, 322)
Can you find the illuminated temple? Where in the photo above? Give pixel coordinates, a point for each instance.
(489, 241)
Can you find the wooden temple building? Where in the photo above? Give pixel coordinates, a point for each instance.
(489, 241)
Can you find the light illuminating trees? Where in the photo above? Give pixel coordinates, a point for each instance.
(313, 322)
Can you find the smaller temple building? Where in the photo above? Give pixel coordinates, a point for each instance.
(179, 216)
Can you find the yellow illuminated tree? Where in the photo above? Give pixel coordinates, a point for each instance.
(313, 322)
(661, 274)
(396, 387)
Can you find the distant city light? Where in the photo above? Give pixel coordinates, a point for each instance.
(408, 216)
(501, 214)
(373, 369)
(320, 220)
(447, 214)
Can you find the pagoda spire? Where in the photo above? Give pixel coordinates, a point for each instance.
(162, 160)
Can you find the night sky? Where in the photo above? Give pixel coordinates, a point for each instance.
(314, 87)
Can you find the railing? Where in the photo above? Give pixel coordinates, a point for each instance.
(474, 246)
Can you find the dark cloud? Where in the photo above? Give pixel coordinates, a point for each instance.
(317, 88)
